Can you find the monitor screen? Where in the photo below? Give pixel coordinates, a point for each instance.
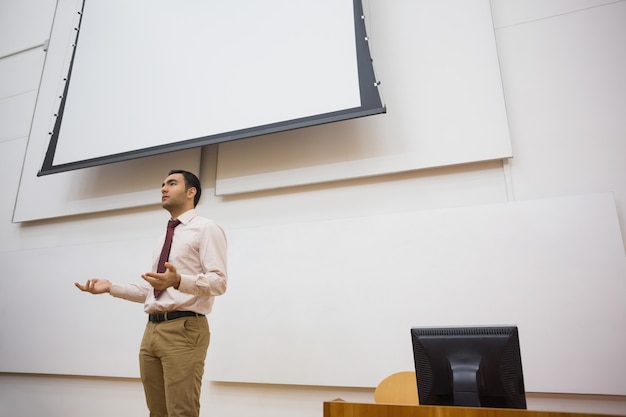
(469, 366)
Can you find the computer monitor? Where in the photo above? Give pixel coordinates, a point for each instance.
(469, 366)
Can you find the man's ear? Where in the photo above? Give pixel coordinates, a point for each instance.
(191, 192)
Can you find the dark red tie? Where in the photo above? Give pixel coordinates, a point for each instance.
(165, 252)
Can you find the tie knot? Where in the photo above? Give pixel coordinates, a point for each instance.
(173, 223)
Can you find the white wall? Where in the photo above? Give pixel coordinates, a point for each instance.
(562, 67)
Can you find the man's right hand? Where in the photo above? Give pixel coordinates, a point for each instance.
(95, 286)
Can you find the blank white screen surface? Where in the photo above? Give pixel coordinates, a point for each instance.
(152, 73)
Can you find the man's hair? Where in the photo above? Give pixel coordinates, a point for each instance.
(190, 181)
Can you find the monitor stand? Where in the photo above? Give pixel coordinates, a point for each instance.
(465, 384)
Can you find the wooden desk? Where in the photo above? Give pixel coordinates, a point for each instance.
(345, 409)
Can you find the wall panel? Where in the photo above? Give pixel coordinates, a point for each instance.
(441, 84)
(24, 24)
(331, 303)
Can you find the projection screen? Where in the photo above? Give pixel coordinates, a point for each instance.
(153, 76)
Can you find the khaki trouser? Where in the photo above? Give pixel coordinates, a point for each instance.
(171, 362)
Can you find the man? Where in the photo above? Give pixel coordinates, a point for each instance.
(177, 297)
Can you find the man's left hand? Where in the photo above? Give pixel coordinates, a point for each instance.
(161, 281)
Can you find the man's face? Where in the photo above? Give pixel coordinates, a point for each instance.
(173, 193)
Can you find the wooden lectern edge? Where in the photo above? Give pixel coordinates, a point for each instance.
(341, 408)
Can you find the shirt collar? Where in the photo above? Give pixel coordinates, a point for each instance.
(187, 216)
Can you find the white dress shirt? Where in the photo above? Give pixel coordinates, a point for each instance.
(199, 255)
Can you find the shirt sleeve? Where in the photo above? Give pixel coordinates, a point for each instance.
(131, 292)
(212, 257)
